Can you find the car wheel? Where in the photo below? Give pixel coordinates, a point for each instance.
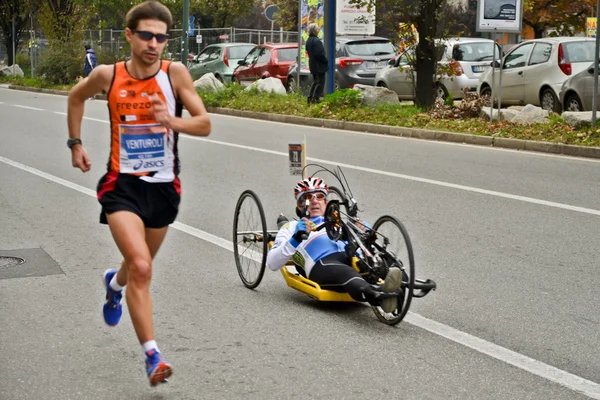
(441, 92)
(549, 101)
(572, 103)
(381, 84)
(486, 92)
(219, 78)
(336, 85)
(291, 84)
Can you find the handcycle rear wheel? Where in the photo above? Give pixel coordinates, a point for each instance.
(399, 246)
(250, 239)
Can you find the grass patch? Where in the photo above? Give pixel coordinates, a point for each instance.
(344, 106)
(32, 82)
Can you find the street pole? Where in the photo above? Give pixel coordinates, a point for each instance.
(596, 54)
(299, 62)
(15, 43)
(32, 43)
(184, 31)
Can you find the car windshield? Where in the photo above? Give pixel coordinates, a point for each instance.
(287, 54)
(579, 51)
(370, 48)
(239, 51)
(476, 51)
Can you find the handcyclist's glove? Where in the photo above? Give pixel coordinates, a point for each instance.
(298, 233)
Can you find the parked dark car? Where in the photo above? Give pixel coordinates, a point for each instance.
(266, 60)
(357, 60)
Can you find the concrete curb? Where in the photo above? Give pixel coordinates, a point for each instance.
(417, 133)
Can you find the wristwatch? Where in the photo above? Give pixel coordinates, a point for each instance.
(72, 142)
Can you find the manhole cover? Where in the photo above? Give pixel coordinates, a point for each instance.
(6, 262)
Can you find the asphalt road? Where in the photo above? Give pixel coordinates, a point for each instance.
(510, 237)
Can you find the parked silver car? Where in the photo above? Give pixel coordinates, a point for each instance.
(461, 60)
(220, 59)
(534, 71)
(577, 92)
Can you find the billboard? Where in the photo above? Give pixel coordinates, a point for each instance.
(349, 21)
(590, 27)
(354, 21)
(500, 16)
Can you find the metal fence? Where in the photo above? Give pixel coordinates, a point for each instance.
(111, 43)
(114, 40)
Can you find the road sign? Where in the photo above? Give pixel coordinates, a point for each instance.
(192, 19)
(198, 39)
(270, 12)
(191, 28)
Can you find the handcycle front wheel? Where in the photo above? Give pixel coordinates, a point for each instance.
(393, 238)
(250, 239)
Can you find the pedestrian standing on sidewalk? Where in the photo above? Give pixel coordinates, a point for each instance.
(317, 63)
(140, 193)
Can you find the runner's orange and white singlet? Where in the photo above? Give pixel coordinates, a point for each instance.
(140, 145)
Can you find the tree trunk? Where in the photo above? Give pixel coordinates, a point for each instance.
(426, 53)
(425, 68)
(539, 31)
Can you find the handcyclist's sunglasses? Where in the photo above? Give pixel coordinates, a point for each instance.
(147, 36)
(309, 196)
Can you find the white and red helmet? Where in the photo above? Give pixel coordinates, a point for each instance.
(310, 184)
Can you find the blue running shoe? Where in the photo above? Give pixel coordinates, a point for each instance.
(158, 369)
(112, 308)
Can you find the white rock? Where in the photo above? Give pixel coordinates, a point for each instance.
(209, 81)
(373, 95)
(12, 70)
(579, 119)
(506, 114)
(532, 114)
(268, 85)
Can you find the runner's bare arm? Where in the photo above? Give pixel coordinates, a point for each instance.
(199, 123)
(98, 80)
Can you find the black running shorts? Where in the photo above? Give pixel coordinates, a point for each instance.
(157, 204)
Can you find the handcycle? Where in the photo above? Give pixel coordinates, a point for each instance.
(372, 251)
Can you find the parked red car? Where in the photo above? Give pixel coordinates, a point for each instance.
(264, 60)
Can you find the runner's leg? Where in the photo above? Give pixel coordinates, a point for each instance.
(154, 239)
(130, 236)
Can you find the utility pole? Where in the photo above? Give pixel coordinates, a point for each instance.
(14, 40)
(185, 23)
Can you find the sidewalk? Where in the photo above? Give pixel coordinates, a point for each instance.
(417, 133)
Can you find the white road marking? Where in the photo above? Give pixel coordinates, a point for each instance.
(348, 132)
(526, 199)
(553, 374)
(414, 178)
(27, 107)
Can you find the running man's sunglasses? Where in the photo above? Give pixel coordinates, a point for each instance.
(147, 36)
(309, 196)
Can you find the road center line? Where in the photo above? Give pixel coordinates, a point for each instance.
(27, 107)
(553, 374)
(471, 189)
(414, 178)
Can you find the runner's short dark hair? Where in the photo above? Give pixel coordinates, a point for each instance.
(150, 9)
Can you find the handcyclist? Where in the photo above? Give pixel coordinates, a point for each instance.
(141, 191)
(325, 261)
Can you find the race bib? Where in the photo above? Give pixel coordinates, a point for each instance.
(142, 147)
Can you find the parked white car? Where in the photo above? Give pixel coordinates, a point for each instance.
(534, 71)
(467, 58)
